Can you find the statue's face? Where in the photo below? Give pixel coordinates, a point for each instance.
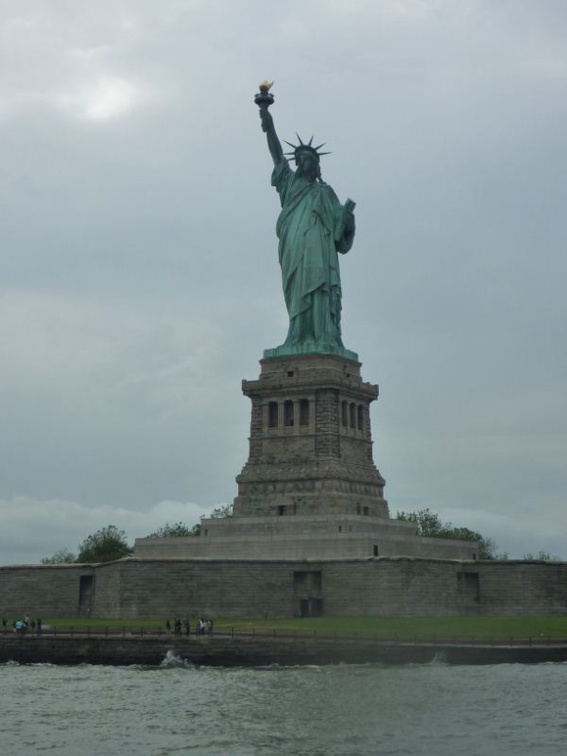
(306, 164)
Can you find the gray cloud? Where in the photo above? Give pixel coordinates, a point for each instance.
(33, 528)
(140, 280)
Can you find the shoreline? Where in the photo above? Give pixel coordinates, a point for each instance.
(258, 651)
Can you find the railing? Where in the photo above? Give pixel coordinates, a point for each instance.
(262, 634)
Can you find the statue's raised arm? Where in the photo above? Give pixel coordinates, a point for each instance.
(312, 228)
(264, 99)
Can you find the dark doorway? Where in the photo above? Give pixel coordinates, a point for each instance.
(316, 607)
(468, 588)
(308, 594)
(86, 594)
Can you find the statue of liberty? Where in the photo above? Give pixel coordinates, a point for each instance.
(312, 228)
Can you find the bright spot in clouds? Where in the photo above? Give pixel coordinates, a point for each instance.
(108, 98)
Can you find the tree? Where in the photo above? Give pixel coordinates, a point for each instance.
(542, 556)
(429, 525)
(225, 510)
(63, 556)
(175, 530)
(181, 530)
(106, 545)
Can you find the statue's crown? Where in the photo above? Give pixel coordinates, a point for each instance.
(308, 147)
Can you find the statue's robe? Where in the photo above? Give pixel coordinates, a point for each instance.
(311, 231)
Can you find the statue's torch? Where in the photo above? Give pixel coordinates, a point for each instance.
(264, 98)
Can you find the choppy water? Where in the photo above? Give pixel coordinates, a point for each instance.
(418, 710)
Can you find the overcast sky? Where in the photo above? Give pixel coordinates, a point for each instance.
(139, 277)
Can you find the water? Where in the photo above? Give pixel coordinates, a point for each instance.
(363, 710)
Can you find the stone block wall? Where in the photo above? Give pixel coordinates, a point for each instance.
(207, 588)
(398, 586)
(308, 537)
(392, 587)
(107, 591)
(518, 587)
(403, 586)
(40, 591)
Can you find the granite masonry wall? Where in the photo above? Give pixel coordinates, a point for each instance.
(41, 591)
(307, 537)
(135, 588)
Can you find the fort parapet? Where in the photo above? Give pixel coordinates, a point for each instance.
(160, 588)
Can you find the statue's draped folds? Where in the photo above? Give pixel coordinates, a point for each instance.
(311, 230)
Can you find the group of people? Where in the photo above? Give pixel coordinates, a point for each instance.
(22, 626)
(183, 627)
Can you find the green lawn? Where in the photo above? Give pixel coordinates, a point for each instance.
(382, 627)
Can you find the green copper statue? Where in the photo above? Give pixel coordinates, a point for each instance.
(312, 227)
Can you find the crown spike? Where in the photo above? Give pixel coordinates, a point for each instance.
(305, 146)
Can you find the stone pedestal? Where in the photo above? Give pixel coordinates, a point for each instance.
(310, 489)
(310, 441)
